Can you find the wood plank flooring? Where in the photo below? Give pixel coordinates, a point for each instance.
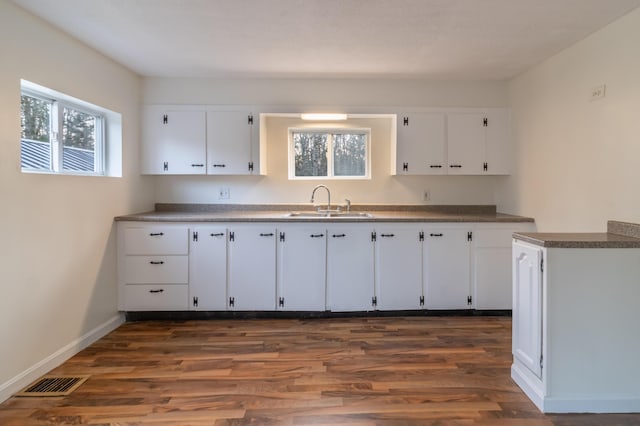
(353, 371)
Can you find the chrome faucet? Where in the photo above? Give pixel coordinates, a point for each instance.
(348, 201)
(313, 193)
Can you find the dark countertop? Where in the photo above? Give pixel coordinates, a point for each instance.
(618, 235)
(277, 213)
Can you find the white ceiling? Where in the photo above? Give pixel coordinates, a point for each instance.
(435, 39)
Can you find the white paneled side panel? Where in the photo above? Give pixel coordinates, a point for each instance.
(527, 306)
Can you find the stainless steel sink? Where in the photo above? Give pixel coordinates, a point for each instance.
(331, 215)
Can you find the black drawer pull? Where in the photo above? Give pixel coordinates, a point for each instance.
(316, 235)
(219, 234)
(339, 235)
(387, 235)
(156, 291)
(157, 263)
(456, 166)
(435, 235)
(267, 235)
(435, 166)
(156, 234)
(219, 165)
(197, 165)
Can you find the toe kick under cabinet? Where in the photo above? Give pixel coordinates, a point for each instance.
(317, 266)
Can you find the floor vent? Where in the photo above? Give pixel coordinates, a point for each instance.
(53, 386)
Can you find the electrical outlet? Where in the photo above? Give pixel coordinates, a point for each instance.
(426, 196)
(224, 194)
(598, 92)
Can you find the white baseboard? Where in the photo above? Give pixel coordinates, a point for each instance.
(23, 379)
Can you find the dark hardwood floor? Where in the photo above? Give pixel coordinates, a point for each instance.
(354, 371)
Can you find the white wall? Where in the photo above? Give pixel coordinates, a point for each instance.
(57, 256)
(317, 94)
(577, 162)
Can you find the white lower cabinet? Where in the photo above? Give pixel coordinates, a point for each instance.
(446, 263)
(208, 268)
(314, 266)
(491, 264)
(398, 267)
(153, 267)
(575, 327)
(350, 285)
(252, 267)
(302, 259)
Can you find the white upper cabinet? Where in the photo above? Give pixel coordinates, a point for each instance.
(479, 143)
(453, 141)
(231, 143)
(466, 144)
(421, 144)
(498, 153)
(173, 141)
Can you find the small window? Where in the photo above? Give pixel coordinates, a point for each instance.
(334, 153)
(60, 136)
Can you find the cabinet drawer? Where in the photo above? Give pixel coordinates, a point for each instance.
(156, 297)
(156, 240)
(156, 269)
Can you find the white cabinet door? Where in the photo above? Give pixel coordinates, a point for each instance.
(446, 263)
(491, 263)
(421, 144)
(398, 263)
(527, 306)
(229, 143)
(208, 268)
(466, 143)
(302, 252)
(350, 285)
(252, 268)
(174, 141)
(498, 142)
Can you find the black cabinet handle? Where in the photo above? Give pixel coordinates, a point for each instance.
(156, 291)
(197, 165)
(316, 235)
(219, 234)
(435, 235)
(267, 235)
(435, 166)
(157, 263)
(456, 166)
(387, 235)
(339, 235)
(156, 234)
(219, 165)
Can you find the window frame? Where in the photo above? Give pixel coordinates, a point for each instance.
(330, 131)
(56, 139)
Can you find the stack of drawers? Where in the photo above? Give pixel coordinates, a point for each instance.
(155, 268)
